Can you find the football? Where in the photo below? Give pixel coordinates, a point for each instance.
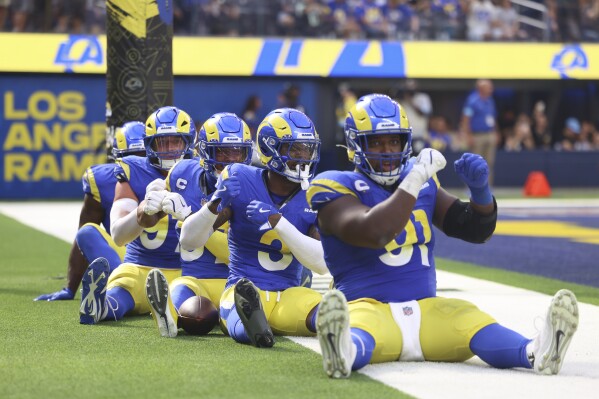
(197, 316)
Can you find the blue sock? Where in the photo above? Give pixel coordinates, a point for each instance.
(500, 347)
(236, 329)
(93, 245)
(365, 346)
(120, 302)
(312, 320)
(180, 294)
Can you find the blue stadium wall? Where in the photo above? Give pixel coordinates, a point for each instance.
(53, 127)
(52, 120)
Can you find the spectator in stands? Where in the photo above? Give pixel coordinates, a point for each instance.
(312, 18)
(70, 16)
(345, 24)
(505, 22)
(95, 18)
(520, 137)
(403, 21)
(566, 14)
(478, 125)
(570, 136)
(418, 107)
(4, 6)
(286, 23)
(589, 20)
(540, 127)
(586, 137)
(230, 21)
(595, 137)
(480, 15)
(213, 11)
(21, 12)
(183, 11)
(289, 98)
(250, 114)
(448, 18)
(348, 100)
(372, 19)
(426, 22)
(440, 136)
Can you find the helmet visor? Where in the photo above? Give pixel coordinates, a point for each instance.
(299, 151)
(169, 146)
(223, 155)
(384, 151)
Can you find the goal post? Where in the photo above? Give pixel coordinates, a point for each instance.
(139, 73)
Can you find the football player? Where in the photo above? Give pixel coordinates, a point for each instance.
(150, 237)
(376, 229)
(271, 233)
(91, 240)
(223, 139)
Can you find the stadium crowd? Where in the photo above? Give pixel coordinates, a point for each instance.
(516, 129)
(474, 20)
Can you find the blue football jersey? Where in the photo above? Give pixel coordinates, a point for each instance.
(405, 268)
(156, 246)
(257, 252)
(188, 178)
(99, 182)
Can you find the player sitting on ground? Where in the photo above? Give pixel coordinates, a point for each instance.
(271, 233)
(223, 139)
(376, 229)
(98, 187)
(170, 136)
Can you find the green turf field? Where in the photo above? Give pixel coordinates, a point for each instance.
(46, 353)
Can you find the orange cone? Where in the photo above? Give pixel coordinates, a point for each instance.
(537, 185)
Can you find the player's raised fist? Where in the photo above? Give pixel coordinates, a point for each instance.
(174, 204)
(431, 161)
(153, 201)
(473, 170)
(226, 190)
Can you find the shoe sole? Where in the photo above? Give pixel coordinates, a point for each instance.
(90, 313)
(563, 317)
(331, 323)
(250, 311)
(157, 292)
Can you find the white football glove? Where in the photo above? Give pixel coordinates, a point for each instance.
(174, 204)
(156, 185)
(428, 162)
(153, 201)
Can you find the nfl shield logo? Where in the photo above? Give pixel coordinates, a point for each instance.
(407, 311)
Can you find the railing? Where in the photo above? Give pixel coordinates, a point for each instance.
(542, 23)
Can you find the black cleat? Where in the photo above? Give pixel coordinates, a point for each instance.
(251, 313)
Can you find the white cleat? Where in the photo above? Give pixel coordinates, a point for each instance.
(93, 292)
(163, 311)
(550, 346)
(332, 325)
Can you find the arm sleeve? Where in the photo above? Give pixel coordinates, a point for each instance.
(197, 228)
(124, 229)
(307, 250)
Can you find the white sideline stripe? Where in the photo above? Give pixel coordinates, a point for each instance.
(513, 307)
(548, 203)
